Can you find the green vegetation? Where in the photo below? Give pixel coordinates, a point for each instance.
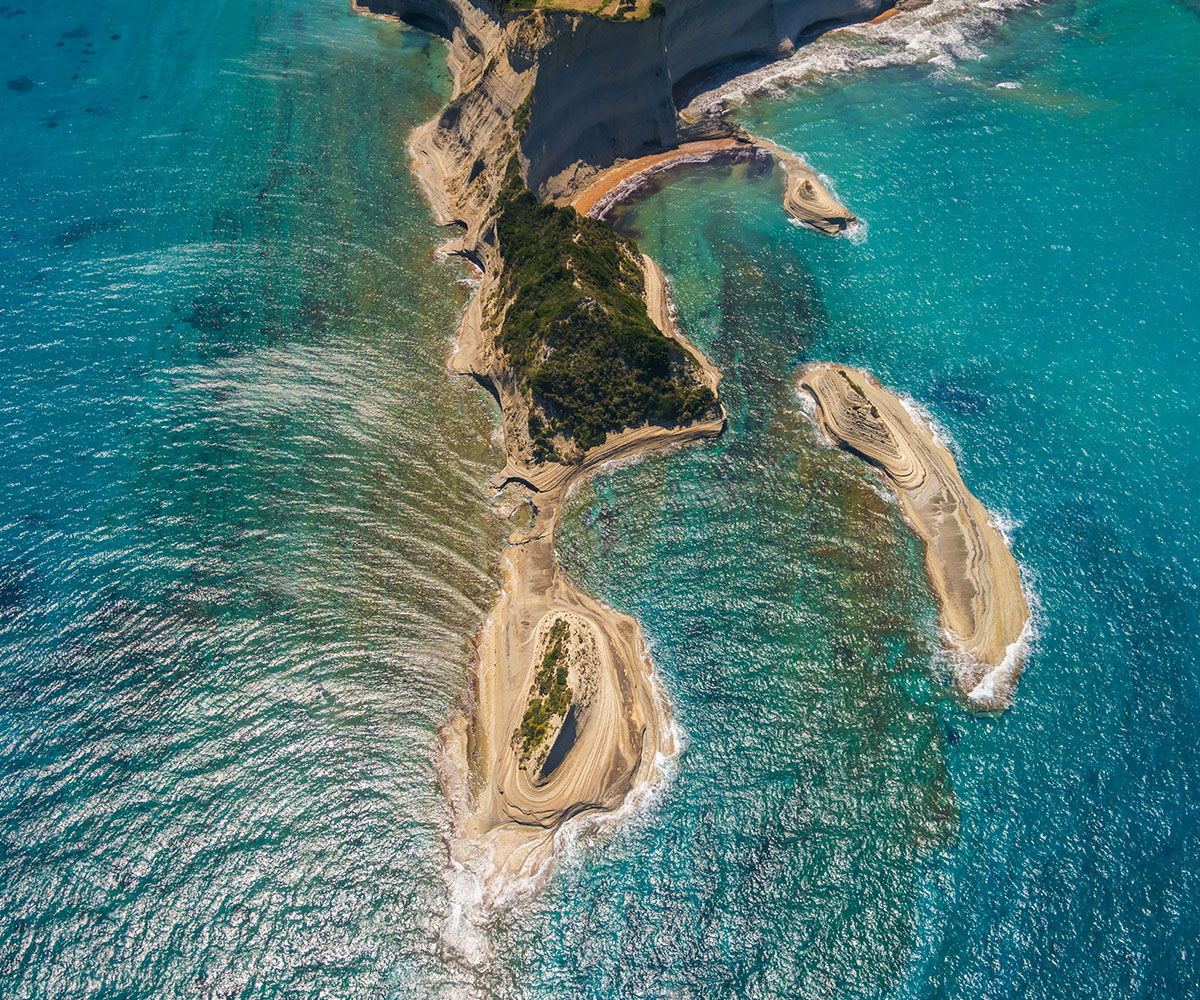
(576, 332)
(521, 115)
(857, 388)
(551, 696)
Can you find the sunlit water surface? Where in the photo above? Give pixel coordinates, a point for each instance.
(245, 541)
(243, 538)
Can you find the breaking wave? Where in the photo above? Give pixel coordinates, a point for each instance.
(942, 34)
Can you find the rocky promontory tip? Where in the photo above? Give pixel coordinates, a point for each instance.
(972, 571)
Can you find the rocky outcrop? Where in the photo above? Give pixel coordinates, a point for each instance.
(973, 573)
(568, 95)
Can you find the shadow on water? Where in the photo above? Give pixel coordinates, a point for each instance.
(562, 745)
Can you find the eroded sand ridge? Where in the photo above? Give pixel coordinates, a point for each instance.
(970, 566)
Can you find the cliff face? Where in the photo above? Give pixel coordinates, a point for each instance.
(584, 91)
(602, 91)
(606, 90)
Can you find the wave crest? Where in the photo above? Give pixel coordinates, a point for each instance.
(943, 33)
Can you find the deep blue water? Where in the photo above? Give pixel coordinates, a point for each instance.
(244, 541)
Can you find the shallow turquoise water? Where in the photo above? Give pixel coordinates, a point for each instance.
(244, 544)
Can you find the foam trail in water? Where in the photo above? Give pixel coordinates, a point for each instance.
(943, 33)
(998, 683)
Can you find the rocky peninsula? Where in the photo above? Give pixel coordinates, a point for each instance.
(571, 332)
(972, 571)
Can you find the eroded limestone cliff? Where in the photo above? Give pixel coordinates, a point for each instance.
(582, 91)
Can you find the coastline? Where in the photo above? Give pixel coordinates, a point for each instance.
(805, 198)
(984, 610)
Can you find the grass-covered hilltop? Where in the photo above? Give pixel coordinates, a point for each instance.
(575, 332)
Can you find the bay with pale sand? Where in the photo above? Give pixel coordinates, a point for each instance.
(806, 198)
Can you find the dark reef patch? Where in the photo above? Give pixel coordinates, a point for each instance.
(960, 399)
(89, 227)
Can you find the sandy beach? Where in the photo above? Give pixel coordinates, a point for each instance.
(973, 574)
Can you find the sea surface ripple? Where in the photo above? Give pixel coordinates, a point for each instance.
(245, 545)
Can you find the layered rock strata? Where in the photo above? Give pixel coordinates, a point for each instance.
(971, 569)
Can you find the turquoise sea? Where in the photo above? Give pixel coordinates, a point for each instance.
(244, 539)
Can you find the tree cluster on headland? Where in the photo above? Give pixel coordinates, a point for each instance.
(576, 333)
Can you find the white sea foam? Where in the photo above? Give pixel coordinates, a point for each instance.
(941, 34)
(857, 232)
(461, 935)
(808, 405)
(1004, 523)
(998, 683)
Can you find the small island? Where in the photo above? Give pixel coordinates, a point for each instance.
(972, 571)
